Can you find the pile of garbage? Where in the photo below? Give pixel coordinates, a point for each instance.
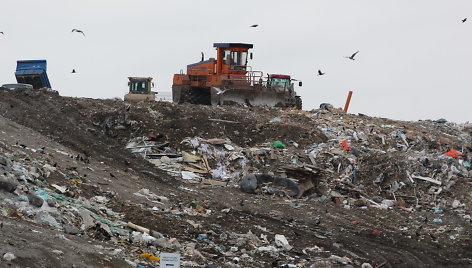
(237, 187)
(364, 161)
(28, 193)
(401, 164)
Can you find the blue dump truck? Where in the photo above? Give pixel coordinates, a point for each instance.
(32, 72)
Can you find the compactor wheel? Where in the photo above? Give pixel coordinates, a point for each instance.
(298, 102)
(196, 96)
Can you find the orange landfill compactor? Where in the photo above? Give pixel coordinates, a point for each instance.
(229, 80)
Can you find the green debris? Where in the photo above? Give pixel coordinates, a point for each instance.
(278, 144)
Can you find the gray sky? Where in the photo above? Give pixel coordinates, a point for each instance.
(414, 62)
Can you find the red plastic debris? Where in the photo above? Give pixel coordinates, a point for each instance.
(345, 145)
(453, 153)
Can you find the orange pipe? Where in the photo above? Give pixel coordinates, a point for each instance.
(348, 101)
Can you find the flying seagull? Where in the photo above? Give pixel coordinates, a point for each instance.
(78, 31)
(254, 25)
(73, 71)
(320, 72)
(219, 91)
(464, 20)
(352, 56)
(1, 32)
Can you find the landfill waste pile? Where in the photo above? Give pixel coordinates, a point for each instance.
(104, 183)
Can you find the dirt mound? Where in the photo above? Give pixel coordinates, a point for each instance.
(90, 125)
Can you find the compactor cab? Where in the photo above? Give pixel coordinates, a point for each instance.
(140, 89)
(232, 58)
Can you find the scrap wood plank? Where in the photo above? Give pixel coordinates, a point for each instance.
(195, 165)
(195, 170)
(217, 141)
(164, 154)
(205, 162)
(438, 182)
(214, 182)
(223, 121)
(300, 173)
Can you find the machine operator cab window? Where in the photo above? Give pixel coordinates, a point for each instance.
(139, 87)
(279, 84)
(237, 60)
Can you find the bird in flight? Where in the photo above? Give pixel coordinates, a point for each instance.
(320, 72)
(352, 56)
(219, 91)
(254, 25)
(2, 33)
(78, 31)
(73, 71)
(464, 20)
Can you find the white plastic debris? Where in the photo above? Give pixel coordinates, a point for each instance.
(282, 242)
(267, 249)
(456, 203)
(9, 256)
(99, 199)
(188, 175)
(438, 182)
(61, 189)
(228, 147)
(58, 252)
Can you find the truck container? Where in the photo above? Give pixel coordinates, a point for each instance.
(32, 72)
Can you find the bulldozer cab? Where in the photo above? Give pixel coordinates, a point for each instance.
(232, 57)
(140, 85)
(279, 83)
(140, 89)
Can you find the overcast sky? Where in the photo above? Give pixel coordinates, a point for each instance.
(415, 59)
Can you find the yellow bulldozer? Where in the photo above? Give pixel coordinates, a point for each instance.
(140, 89)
